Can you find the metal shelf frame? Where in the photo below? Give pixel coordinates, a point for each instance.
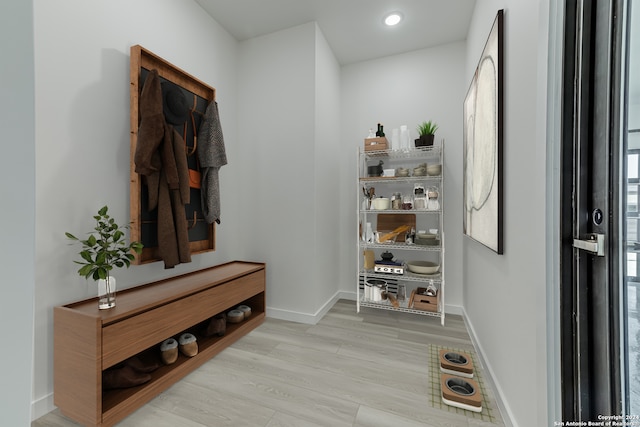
(397, 157)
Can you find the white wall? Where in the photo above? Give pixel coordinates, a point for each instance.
(550, 372)
(276, 128)
(504, 294)
(82, 137)
(328, 154)
(406, 89)
(287, 125)
(17, 186)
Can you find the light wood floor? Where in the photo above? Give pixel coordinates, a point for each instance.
(371, 368)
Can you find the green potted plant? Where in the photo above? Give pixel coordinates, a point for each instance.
(426, 130)
(105, 249)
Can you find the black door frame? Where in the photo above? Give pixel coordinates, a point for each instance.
(589, 292)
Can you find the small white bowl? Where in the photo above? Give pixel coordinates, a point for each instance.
(402, 172)
(380, 203)
(433, 170)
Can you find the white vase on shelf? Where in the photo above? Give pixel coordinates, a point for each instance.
(404, 137)
(395, 139)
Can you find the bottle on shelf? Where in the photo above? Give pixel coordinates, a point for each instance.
(396, 201)
(402, 292)
(368, 236)
(380, 132)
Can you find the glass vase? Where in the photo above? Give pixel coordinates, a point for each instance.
(107, 293)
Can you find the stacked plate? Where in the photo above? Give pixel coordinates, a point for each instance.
(426, 239)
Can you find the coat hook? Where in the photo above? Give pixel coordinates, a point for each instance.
(195, 220)
(192, 151)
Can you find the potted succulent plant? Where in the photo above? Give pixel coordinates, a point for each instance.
(426, 130)
(105, 249)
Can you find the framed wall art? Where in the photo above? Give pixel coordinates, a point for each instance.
(483, 145)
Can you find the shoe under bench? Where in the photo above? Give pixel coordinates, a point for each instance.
(88, 341)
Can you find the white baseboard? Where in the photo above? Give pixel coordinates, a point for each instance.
(503, 407)
(308, 318)
(351, 296)
(454, 309)
(312, 319)
(42, 406)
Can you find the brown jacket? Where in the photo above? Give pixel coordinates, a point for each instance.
(173, 195)
(160, 157)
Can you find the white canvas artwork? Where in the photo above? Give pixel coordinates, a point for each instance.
(482, 163)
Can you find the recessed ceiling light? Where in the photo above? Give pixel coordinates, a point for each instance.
(393, 18)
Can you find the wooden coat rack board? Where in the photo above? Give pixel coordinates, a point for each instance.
(144, 222)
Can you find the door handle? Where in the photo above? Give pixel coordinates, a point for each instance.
(594, 244)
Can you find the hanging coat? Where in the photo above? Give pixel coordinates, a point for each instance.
(150, 135)
(173, 195)
(212, 156)
(161, 159)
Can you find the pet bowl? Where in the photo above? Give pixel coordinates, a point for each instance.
(460, 386)
(455, 358)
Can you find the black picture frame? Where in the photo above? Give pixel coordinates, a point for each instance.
(483, 145)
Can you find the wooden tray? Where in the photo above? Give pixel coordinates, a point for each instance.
(389, 222)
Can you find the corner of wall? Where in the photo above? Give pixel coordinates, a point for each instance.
(308, 318)
(42, 406)
(503, 406)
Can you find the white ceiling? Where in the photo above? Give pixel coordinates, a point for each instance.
(353, 28)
